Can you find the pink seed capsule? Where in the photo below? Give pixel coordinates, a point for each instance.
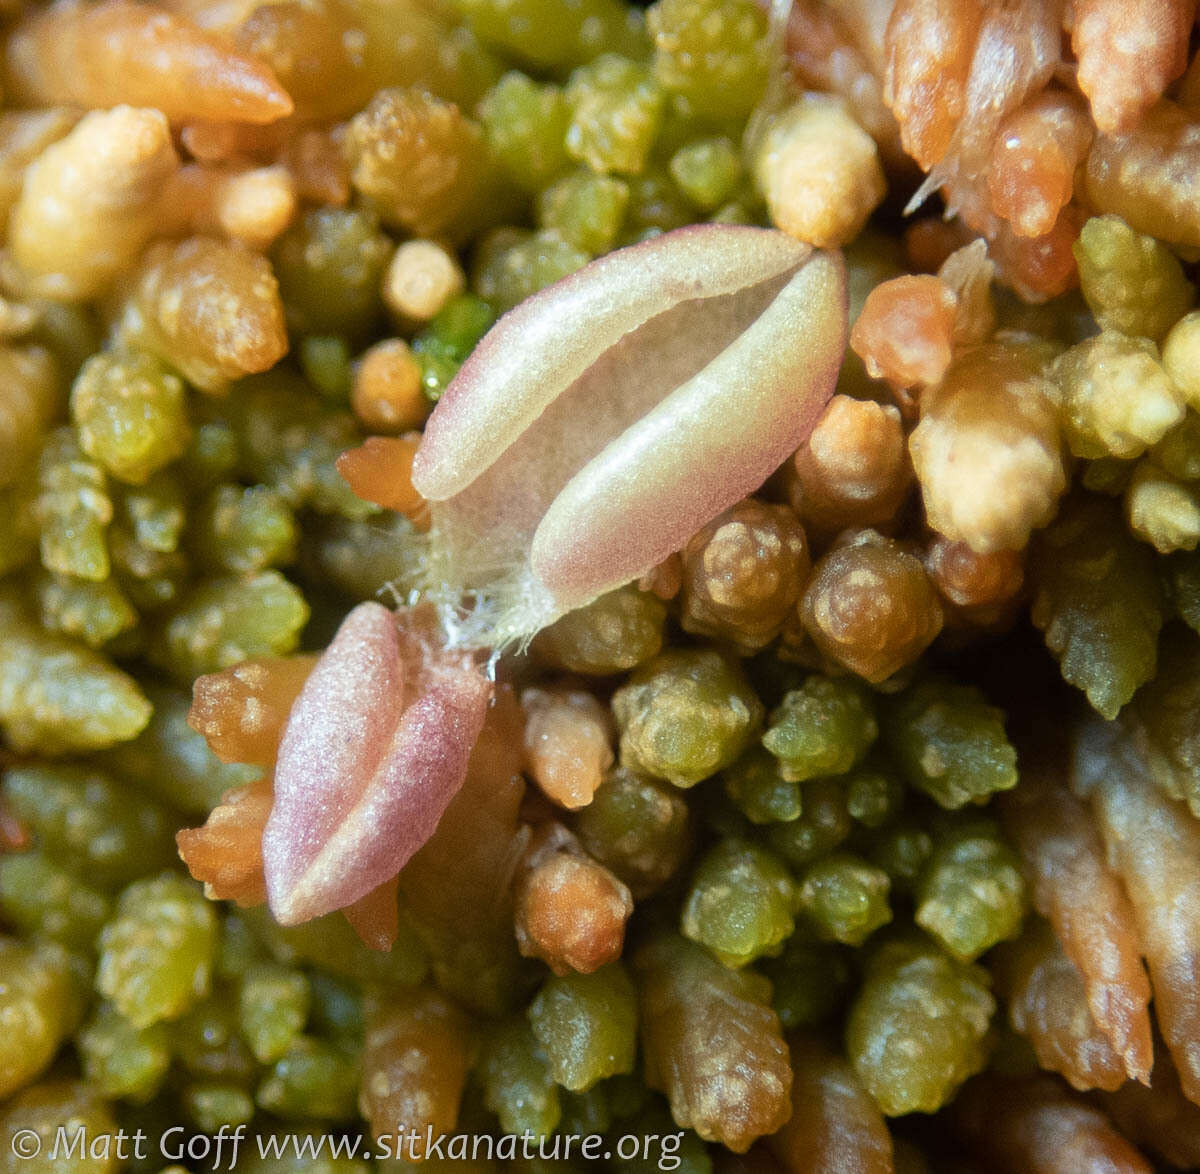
(374, 749)
(606, 419)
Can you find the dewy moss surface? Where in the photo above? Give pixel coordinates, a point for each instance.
(803, 851)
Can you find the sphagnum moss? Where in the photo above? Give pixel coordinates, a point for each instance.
(786, 751)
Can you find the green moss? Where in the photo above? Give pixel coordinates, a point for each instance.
(325, 361)
(212, 456)
(811, 981)
(612, 634)
(655, 205)
(92, 612)
(337, 1006)
(55, 1108)
(149, 578)
(918, 1026)
(292, 1150)
(821, 826)
(686, 715)
(330, 267)
(586, 1024)
(58, 696)
(588, 1112)
(526, 128)
(240, 530)
(971, 894)
(1164, 711)
(1162, 509)
(512, 265)
(874, 796)
(121, 1060)
(330, 943)
(211, 1106)
(845, 899)
(272, 1009)
(823, 728)
(130, 414)
(550, 34)
(902, 851)
(155, 512)
(444, 344)
(518, 1086)
(222, 621)
(88, 822)
(172, 761)
(741, 904)
(40, 899)
(1116, 398)
(74, 509)
(1132, 282)
(312, 1079)
(651, 1123)
(708, 171)
(756, 786)
(949, 742)
(586, 210)
(207, 1044)
(289, 439)
(359, 557)
(714, 53)
(638, 827)
(616, 106)
(39, 1006)
(1097, 602)
(156, 954)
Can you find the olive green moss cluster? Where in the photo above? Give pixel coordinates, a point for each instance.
(806, 851)
(779, 882)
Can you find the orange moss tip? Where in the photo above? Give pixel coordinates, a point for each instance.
(380, 471)
(117, 52)
(1042, 267)
(569, 736)
(835, 1123)
(1128, 52)
(242, 710)
(571, 913)
(226, 853)
(905, 331)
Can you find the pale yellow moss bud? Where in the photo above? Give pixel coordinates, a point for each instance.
(819, 172)
(24, 135)
(1181, 357)
(254, 206)
(987, 452)
(422, 277)
(1116, 398)
(1163, 510)
(90, 202)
